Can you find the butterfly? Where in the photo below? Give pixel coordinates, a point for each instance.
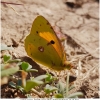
(44, 47)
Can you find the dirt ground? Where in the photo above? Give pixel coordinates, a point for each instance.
(79, 21)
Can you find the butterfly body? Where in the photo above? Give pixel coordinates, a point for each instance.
(44, 47)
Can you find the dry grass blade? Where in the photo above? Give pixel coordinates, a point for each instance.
(88, 73)
(8, 4)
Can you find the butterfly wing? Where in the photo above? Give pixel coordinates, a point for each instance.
(43, 46)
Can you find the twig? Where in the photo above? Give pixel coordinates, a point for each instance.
(10, 3)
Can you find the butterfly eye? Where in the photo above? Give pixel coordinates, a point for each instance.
(41, 49)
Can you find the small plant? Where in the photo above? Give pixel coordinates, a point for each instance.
(9, 66)
(42, 85)
(63, 90)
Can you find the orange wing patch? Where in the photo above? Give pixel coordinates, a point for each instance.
(52, 37)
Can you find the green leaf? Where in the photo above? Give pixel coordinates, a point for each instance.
(71, 87)
(31, 84)
(25, 66)
(20, 88)
(61, 87)
(41, 77)
(17, 86)
(6, 58)
(59, 96)
(32, 70)
(14, 60)
(48, 89)
(9, 71)
(12, 84)
(19, 82)
(49, 78)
